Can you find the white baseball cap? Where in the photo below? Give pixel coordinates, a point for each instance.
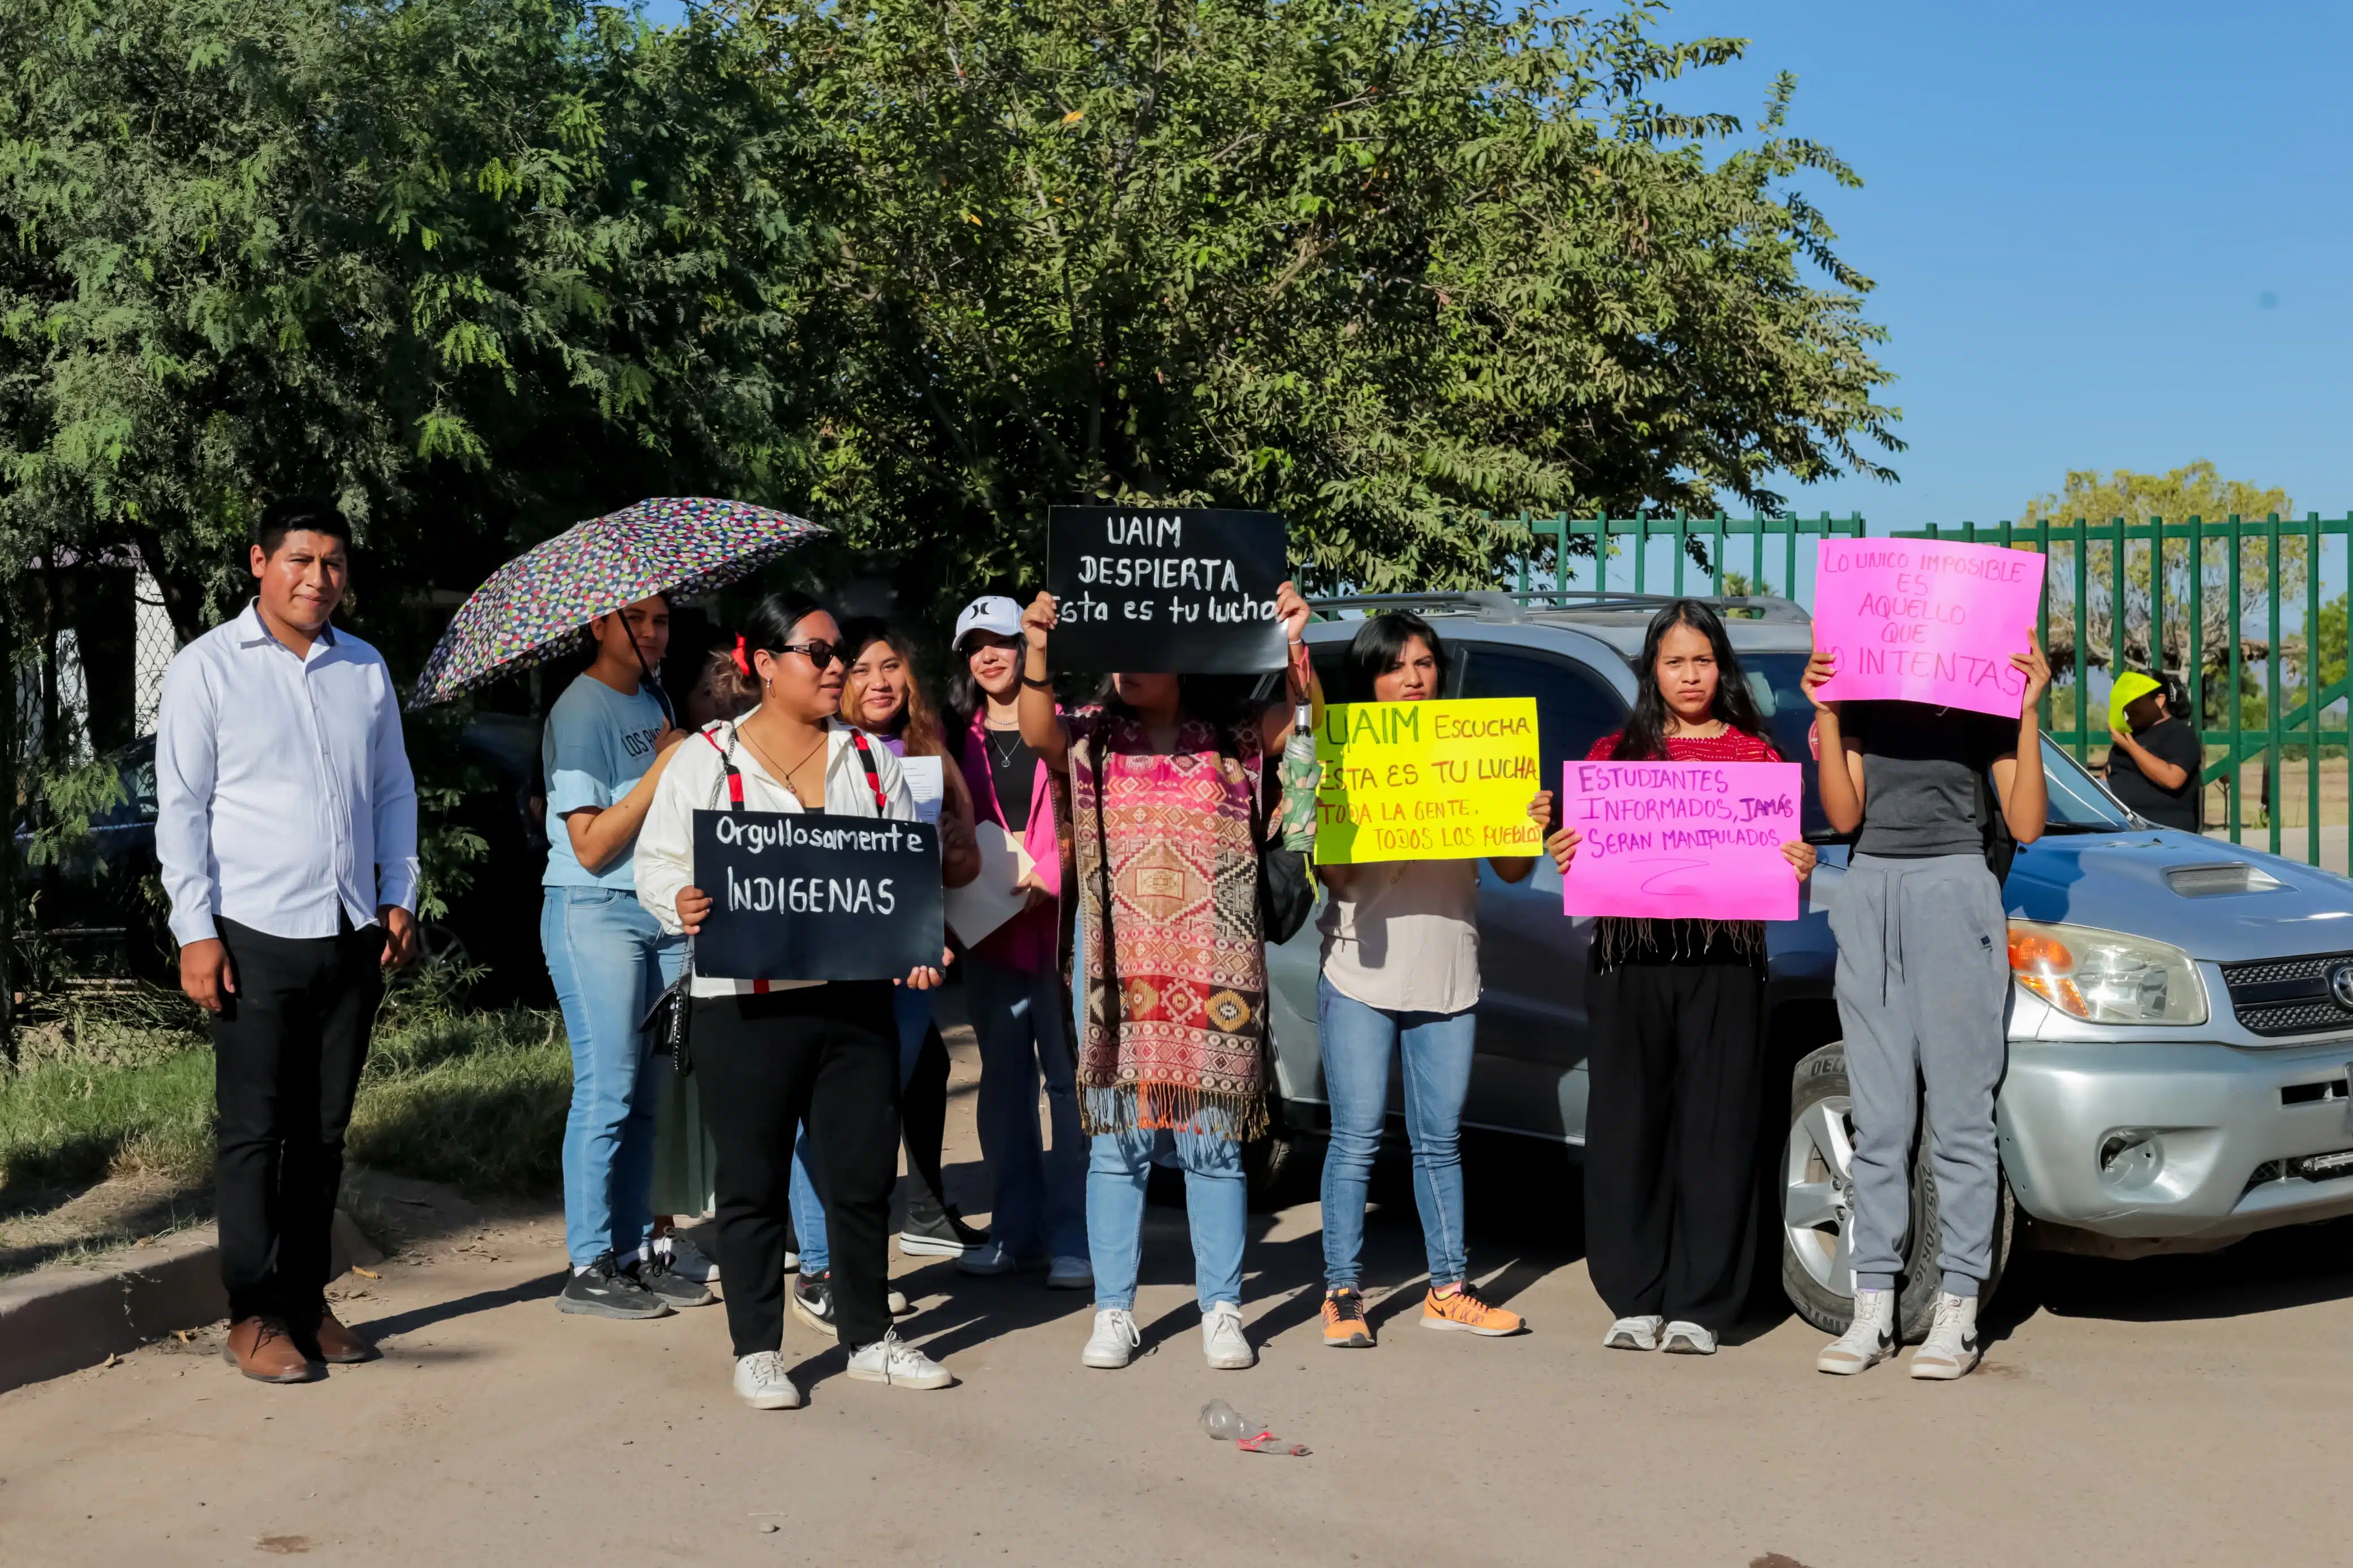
(990, 613)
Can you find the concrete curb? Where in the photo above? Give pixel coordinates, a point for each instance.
(61, 1319)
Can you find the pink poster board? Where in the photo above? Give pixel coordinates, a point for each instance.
(1926, 621)
(1694, 840)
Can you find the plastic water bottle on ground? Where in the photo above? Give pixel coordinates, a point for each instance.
(1225, 1424)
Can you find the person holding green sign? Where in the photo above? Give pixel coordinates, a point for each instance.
(1401, 978)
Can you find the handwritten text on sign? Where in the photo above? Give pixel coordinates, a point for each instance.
(1427, 781)
(1924, 621)
(1173, 591)
(1697, 840)
(810, 896)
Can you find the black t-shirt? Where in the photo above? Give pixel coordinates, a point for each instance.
(1920, 771)
(1013, 768)
(2171, 741)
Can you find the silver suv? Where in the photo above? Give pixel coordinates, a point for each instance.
(2187, 1087)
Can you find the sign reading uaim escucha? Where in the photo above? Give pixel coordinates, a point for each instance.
(808, 896)
(1921, 620)
(1427, 781)
(1170, 590)
(1668, 839)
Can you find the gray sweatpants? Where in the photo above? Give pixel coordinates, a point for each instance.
(1922, 978)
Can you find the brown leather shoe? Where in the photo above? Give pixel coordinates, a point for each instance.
(262, 1349)
(336, 1343)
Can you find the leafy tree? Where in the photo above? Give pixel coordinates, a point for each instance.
(1388, 266)
(478, 268)
(2196, 490)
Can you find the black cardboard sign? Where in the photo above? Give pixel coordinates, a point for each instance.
(812, 896)
(1172, 590)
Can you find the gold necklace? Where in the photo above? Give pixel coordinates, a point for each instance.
(785, 777)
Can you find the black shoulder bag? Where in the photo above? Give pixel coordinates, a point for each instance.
(673, 1010)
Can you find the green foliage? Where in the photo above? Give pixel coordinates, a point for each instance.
(476, 267)
(1385, 265)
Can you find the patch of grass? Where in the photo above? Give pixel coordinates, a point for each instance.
(121, 1084)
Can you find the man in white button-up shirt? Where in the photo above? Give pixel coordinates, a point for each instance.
(287, 830)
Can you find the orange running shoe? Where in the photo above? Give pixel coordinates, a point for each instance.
(1460, 1311)
(1344, 1328)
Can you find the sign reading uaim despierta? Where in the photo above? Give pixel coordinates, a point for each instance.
(1165, 590)
(810, 896)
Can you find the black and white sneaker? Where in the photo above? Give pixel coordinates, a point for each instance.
(1952, 1348)
(812, 1296)
(603, 1290)
(1867, 1341)
(657, 1275)
(932, 1231)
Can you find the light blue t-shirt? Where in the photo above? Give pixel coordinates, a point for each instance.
(597, 744)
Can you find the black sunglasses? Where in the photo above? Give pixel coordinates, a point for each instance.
(820, 654)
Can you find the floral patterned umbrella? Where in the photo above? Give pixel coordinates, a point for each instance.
(539, 604)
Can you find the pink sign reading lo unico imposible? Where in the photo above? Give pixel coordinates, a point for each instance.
(1694, 840)
(1924, 621)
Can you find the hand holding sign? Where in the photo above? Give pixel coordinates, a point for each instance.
(1916, 620)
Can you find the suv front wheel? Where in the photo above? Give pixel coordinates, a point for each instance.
(1815, 1185)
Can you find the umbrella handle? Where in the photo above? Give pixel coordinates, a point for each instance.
(669, 713)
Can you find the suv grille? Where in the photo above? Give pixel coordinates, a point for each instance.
(2289, 996)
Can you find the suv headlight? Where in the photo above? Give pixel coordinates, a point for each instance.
(2106, 977)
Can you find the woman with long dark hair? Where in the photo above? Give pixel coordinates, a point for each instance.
(1400, 978)
(772, 1054)
(1013, 975)
(1677, 1010)
(1169, 783)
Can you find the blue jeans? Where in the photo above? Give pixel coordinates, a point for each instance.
(1435, 1047)
(1216, 1209)
(1040, 1207)
(911, 1011)
(609, 961)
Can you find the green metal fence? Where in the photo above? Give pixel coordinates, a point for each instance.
(2200, 601)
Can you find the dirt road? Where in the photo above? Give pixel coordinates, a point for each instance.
(2176, 1412)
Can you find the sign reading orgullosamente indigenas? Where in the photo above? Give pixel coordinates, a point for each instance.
(1694, 840)
(1922, 620)
(811, 896)
(1427, 781)
(1168, 590)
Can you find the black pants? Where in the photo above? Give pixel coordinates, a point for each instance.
(923, 1110)
(287, 1047)
(1671, 1138)
(829, 1052)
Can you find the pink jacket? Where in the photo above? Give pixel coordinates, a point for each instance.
(1029, 942)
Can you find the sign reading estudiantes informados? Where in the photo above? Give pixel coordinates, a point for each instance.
(810, 896)
(1166, 590)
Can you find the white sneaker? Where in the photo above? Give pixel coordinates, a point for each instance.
(992, 1258)
(1634, 1334)
(897, 1302)
(689, 1261)
(760, 1382)
(1222, 1340)
(1867, 1341)
(893, 1360)
(1114, 1341)
(1071, 1274)
(1951, 1349)
(1684, 1338)
(792, 1261)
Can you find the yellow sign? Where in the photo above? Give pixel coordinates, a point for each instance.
(1427, 781)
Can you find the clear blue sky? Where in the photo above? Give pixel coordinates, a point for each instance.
(2105, 235)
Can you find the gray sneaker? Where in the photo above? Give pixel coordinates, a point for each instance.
(602, 1290)
(657, 1275)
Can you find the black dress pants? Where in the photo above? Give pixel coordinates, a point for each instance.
(923, 1110)
(287, 1048)
(1673, 1085)
(829, 1052)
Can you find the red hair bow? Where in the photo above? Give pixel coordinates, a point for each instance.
(743, 662)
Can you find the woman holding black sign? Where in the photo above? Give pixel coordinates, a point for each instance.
(769, 1053)
(1676, 1053)
(1400, 978)
(1169, 785)
(1923, 980)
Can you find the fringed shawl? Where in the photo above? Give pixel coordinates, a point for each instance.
(1175, 962)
